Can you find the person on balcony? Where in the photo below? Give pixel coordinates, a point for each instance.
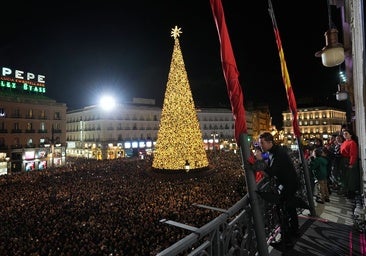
(281, 167)
(319, 166)
(349, 161)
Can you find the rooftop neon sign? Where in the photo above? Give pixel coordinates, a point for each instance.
(21, 81)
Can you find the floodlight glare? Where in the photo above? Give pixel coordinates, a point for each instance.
(107, 103)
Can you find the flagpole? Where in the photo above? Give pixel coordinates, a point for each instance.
(309, 190)
(231, 75)
(293, 109)
(262, 245)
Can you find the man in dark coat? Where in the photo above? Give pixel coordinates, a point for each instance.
(280, 166)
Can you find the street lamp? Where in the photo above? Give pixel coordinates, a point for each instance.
(333, 52)
(8, 165)
(187, 166)
(52, 146)
(214, 135)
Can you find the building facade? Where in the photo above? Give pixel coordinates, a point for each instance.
(37, 132)
(259, 120)
(131, 129)
(315, 122)
(32, 132)
(32, 126)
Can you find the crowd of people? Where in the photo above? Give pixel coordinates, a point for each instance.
(115, 207)
(111, 207)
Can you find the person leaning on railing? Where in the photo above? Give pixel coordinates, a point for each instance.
(280, 166)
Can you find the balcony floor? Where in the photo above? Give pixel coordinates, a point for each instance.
(331, 233)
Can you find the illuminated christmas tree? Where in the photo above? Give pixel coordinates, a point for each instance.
(179, 144)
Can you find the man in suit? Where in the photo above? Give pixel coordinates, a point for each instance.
(280, 167)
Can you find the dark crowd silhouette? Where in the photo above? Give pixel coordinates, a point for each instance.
(111, 207)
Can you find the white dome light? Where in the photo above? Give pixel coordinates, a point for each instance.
(333, 53)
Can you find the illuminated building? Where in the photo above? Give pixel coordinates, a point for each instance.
(131, 128)
(258, 120)
(315, 122)
(32, 126)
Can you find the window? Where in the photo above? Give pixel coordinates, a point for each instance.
(29, 126)
(2, 112)
(57, 116)
(30, 143)
(30, 113)
(16, 112)
(43, 114)
(16, 141)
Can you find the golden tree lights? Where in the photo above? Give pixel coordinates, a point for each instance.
(179, 137)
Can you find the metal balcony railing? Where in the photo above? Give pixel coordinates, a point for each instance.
(233, 232)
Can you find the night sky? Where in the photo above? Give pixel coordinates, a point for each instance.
(87, 49)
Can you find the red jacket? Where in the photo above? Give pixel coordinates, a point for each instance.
(349, 149)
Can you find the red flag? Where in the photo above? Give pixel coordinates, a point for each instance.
(285, 76)
(231, 73)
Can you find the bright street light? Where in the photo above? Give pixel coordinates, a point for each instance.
(107, 103)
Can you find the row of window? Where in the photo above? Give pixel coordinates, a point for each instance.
(134, 127)
(28, 131)
(128, 118)
(29, 127)
(326, 115)
(313, 131)
(144, 118)
(17, 113)
(304, 123)
(29, 143)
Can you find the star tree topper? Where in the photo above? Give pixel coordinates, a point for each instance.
(176, 32)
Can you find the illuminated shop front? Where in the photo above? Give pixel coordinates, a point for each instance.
(111, 151)
(37, 159)
(114, 152)
(139, 148)
(4, 164)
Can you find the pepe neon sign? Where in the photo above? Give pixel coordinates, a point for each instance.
(23, 81)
